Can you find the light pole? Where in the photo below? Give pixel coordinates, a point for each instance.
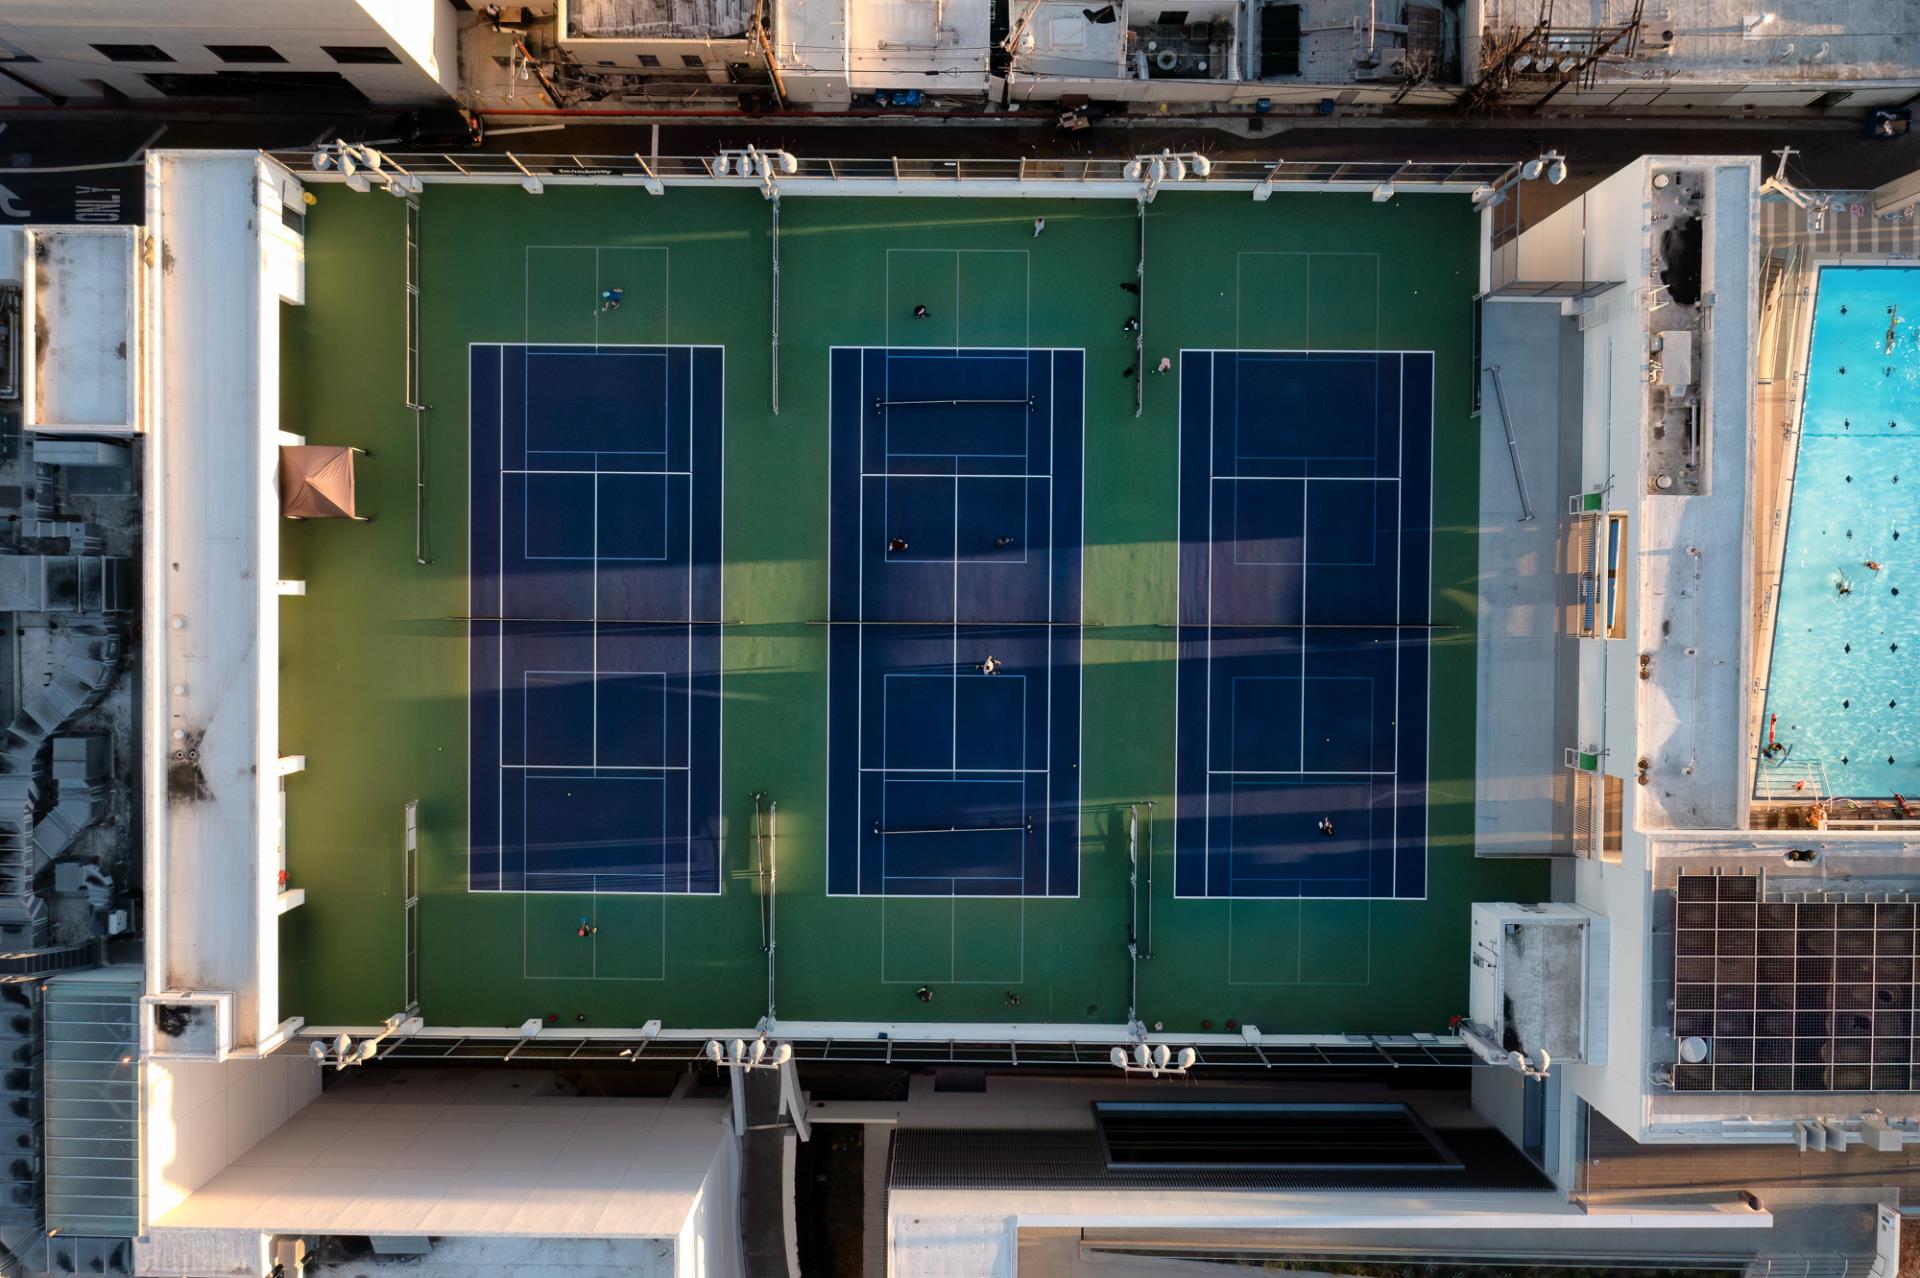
(768, 167)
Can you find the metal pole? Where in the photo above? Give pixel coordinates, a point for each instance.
(411, 378)
(1133, 915)
(1149, 953)
(1140, 333)
(773, 197)
(773, 897)
(1513, 445)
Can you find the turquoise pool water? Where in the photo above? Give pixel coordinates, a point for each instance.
(1844, 687)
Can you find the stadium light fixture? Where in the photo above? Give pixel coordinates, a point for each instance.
(1150, 171)
(762, 1053)
(1153, 1060)
(1548, 164)
(765, 166)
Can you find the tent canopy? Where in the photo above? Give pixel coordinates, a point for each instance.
(316, 481)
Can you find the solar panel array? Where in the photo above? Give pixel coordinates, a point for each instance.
(1812, 995)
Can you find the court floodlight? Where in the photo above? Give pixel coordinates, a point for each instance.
(322, 161)
(1165, 166)
(317, 1051)
(1548, 164)
(763, 1053)
(1154, 1059)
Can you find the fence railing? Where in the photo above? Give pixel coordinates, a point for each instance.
(866, 174)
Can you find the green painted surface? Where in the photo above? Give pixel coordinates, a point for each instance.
(374, 658)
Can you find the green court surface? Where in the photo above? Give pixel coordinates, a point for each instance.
(374, 657)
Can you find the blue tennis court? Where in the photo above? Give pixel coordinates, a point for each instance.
(953, 740)
(1305, 526)
(595, 609)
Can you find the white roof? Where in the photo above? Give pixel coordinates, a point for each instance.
(470, 1157)
(79, 322)
(211, 608)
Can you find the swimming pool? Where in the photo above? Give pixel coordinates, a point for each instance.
(1843, 690)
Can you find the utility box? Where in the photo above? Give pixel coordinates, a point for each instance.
(1539, 981)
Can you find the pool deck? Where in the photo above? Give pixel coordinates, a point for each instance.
(374, 659)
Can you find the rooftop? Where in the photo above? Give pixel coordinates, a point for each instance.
(375, 658)
(1722, 40)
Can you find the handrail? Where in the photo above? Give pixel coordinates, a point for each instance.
(818, 175)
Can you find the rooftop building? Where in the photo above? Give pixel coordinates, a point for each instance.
(1034, 718)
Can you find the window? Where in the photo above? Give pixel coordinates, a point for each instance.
(310, 88)
(1599, 546)
(1616, 611)
(361, 54)
(1612, 797)
(1599, 800)
(244, 53)
(1150, 1136)
(132, 52)
(648, 60)
(691, 60)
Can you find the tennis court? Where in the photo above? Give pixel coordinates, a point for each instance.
(954, 548)
(1305, 522)
(619, 659)
(595, 612)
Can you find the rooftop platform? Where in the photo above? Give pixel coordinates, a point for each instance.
(376, 656)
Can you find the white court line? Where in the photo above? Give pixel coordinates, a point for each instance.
(860, 558)
(595, 767)
(685, 358)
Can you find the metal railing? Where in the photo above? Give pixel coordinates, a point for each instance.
(1393, 1051)
(410, 393)
(895, 174)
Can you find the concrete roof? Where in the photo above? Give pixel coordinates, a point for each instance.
(390, 1154)
(212, 611)
(1801, 40)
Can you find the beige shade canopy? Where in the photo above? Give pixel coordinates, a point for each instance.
(316, 481)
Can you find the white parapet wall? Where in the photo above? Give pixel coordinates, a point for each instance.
(221, 263)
